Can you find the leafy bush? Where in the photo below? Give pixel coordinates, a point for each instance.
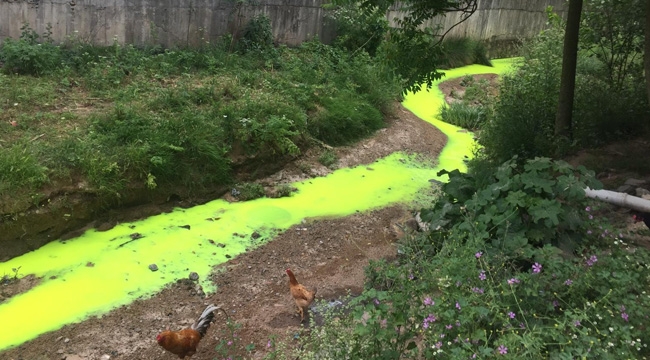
(605, 108)
(29, 57)
(328, 158)
(529, 206)
(356, 29)
(258, 34)
(464, 115)
(171, 148)
(249, 191)
(284, 190)
(345, 119)
(472, 288)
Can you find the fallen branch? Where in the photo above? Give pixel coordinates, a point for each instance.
(620, 199)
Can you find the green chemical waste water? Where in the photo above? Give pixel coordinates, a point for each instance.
(99, 271)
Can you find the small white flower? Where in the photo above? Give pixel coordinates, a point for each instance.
(611, 329)
(609, 344)
(15, 104)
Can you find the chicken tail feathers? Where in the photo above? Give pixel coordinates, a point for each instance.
(202, 324)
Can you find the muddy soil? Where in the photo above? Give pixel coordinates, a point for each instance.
(328, 253)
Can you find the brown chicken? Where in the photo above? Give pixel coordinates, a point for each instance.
(301, 295)
(184, 342)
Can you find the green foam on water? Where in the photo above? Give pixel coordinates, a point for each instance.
(426, 105)
(99, 271)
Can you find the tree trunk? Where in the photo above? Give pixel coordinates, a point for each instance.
(646, 56)
(568, 79)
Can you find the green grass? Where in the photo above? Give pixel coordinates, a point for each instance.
(119, 117)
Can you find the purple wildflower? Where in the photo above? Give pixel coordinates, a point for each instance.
(482, 275)
(588, 209)
(477, 290)
(457, 305)
(555, 303)
(428, 302)
(503, 350)
(229, 343)
(268, 344)
(478, 254)
(624, 316)
(522, 326)
(513, 281)
(438, 345)
(376, 302)
(591, 217)
(537, 268)
(592, 260)
(429, 319)
(512, 315)
(457, 323)
(568, 282)
(449, 326)
(411, 277)
(576, 323)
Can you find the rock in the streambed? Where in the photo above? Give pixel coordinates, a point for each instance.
(194, 276)
(153, 267)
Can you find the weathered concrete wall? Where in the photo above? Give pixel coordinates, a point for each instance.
(498, 20)
(190, 22)
(164, 22)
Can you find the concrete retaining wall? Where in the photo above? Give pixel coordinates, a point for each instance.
(191, 22)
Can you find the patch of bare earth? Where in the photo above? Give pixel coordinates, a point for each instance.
(327, 253)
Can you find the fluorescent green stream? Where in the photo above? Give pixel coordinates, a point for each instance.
(99, 271)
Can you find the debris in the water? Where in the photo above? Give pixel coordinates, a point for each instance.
(228, 256)
(134, 237)
(255, 235)
(194, 276)
(185, 227)
(90, 264)
(153, 267)
(221, 245)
